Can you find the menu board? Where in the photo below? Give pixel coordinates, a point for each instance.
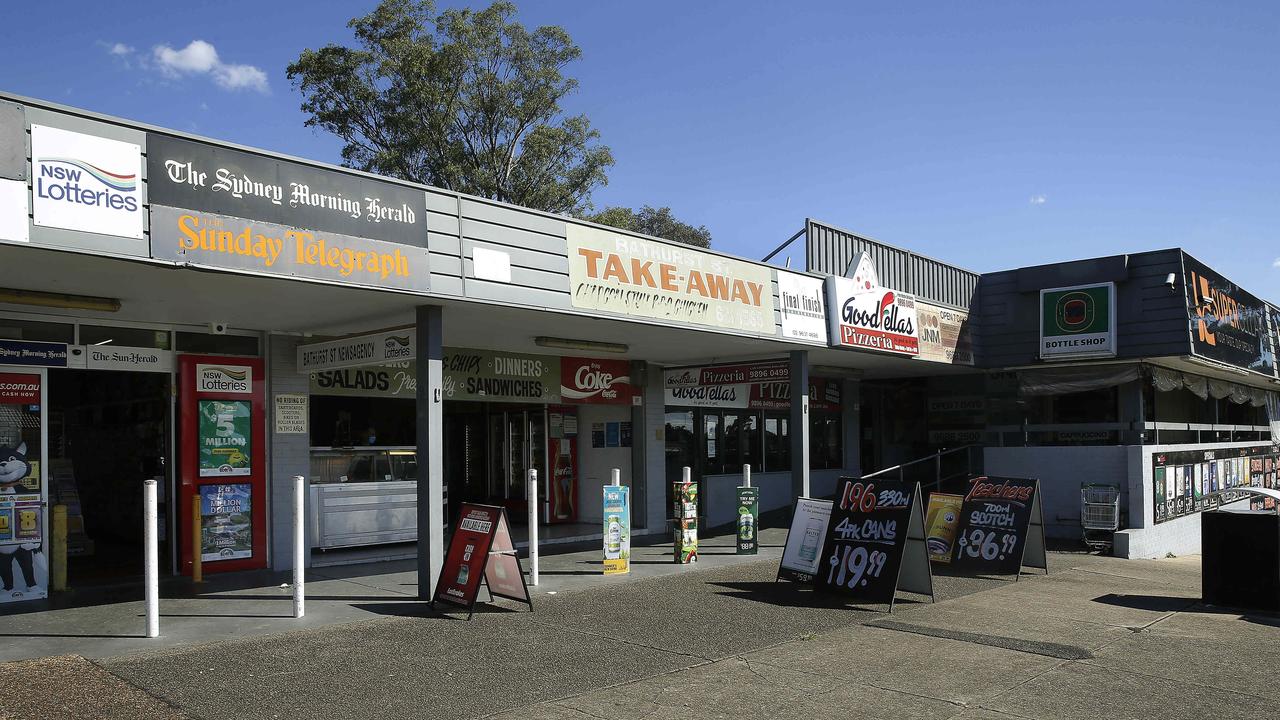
(1189, 481)
(868, 541)
(804, 540)
(1001, 527)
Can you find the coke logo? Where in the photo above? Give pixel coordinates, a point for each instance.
(587, 379)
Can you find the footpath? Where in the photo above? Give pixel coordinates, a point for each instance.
(1097, 637)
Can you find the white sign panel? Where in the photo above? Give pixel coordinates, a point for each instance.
(109, 357)
(871, 319)
(87, 183)
(618, 273)
(803, 308)
(291, 414)
(14, 226)
(224, 378)
(808, 533)
(380, 348)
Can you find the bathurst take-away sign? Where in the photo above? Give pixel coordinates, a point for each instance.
(621, 274)
(870, 317)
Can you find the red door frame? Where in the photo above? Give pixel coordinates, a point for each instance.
(189, 474)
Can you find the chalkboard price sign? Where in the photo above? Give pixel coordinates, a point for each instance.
(1001, 527)
(875, 542)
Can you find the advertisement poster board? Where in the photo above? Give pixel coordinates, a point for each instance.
(803, 307)
(940, 525)
(480, 551)
(617, 529)
(945, 334)
(86, 183)
(596, 381)
(1227, 324)
(502, 573)
(1190, 481)
(685, 501)
(878, 318)
(1078, 322)
(1001, 527)
(24, 565)
(226, 522)
(804, 540)
(875, 542)
(748, 514)
(225, 438)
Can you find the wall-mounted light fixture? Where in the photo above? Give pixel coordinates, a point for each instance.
(59, 300)
(588, 345)
(1172, 281)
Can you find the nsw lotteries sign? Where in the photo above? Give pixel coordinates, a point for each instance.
(1078, 322)
(86, 183)
(617, 273)
(870, 317)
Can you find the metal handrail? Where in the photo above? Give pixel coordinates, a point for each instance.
(937, 464)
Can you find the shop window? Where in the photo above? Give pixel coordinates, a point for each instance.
(124, 336)
(777, 443)
(194, 342)
(826, 451)
(37, 331)
(712, 443)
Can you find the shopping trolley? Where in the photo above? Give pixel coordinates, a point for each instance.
(1099, 514)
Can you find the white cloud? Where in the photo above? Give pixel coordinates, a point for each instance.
(120, 49)
(201, 58)
(1038, 199)
(1276, 264)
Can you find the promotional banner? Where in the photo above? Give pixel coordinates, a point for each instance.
(498, 376)
(24, 568)
(940, 525)
(748, 512)
(225, 438)
(1190, 481)
(226, 525)
(228, 242)
(617, 273)
(945, 334)
(804, 540)
(1078, 322)
(878, 318)
(86, 183)
(188, 174)
(468, 554)
(1227, 324)
(875, 532)
(803, 307)
(1001, 527)
(617, 529)
(596, 381)
(685, 500)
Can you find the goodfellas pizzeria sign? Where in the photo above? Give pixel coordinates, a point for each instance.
(870, 317)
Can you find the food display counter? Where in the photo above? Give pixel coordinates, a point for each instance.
(363, 496)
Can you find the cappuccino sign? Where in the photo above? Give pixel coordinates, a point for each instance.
(224, 379)
(871, 317)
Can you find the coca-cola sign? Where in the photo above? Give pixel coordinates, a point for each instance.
(592, 380)
(875, 318)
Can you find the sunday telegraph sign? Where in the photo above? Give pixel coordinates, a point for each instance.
(1078, 322)
(617, 273)
(187, 174)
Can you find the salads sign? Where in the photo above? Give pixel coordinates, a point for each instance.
(870, 317)
(621, 274)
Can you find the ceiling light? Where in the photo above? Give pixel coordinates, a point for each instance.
(569, 344)
(59, 300)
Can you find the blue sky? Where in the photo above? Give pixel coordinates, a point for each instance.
(991, 135)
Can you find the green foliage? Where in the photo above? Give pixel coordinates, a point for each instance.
(460, 99)
(658, 222)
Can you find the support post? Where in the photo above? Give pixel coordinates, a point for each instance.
(533, 526)
(799, 366)
(299, 545)
(746, 475)
(58, 557)
(151, 555)
(615, 477)
(197, 570)
(430, 430)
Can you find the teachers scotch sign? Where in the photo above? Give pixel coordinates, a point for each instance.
(618, 273)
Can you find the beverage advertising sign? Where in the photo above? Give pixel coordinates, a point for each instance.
(940, 525)
(804, 540)
(803, 307)
(748, 512)
(225, 438)
(1078, 322)
(617, 529)
(226, 522)
(229, 242)
(617, 273)
(1190, 481)
(1001, 527)
(187, 174)
(86, 183)
(468, 553)
(1227, 324)
(877, 319)
(596, 381)
(945, 335)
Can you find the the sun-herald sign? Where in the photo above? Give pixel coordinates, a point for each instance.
(387, 346)
(1078, 322)
(870, 317)
(621, 274)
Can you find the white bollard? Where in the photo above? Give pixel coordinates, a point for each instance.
(533, 527)
(746, 475)
(151, 556)
(686, 474)
(299, 545)
(617, 476)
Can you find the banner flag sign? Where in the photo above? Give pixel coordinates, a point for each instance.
(617, 529)
(875, 543)
(225, 438)
(1078, 322)
(940, 523)
(685, 496)
(804, 540)
(1001, 527)
(226, 523)
(748, 512)
(481, 551)
(870, 317)
(1227, 324)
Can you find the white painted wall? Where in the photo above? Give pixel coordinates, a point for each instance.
(1061, 471)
